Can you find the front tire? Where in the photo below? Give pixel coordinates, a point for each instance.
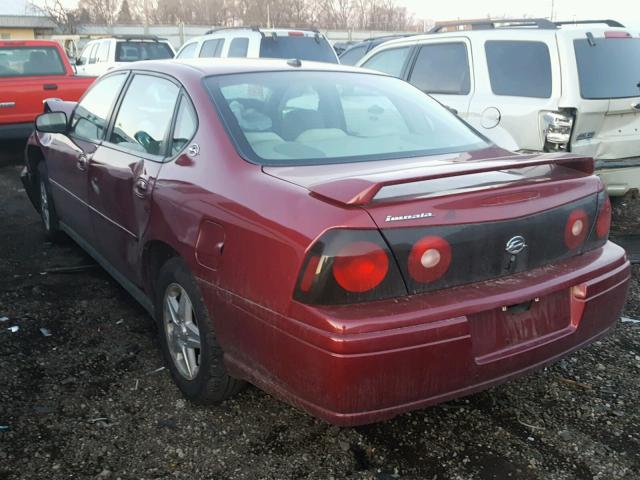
(48, 215)
(191, 351)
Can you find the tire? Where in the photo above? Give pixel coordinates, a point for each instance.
(48, 214)
(207, 380)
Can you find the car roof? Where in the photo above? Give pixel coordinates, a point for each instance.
(204, 67)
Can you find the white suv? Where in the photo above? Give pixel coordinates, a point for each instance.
(535, 85)
(260, 43)
(100, 56)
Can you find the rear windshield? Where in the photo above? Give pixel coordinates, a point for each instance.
(134, 51)
(307, 117)
(316, 49)
(610, 68)
(30, 61)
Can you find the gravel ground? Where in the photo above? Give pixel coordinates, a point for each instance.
(89, 401)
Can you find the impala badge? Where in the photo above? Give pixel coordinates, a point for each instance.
(416, 216)
(515, 245)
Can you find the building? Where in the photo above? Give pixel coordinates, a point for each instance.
(20, 21)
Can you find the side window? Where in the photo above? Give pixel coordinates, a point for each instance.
(520, 69)
(238, 47)
(442, 68)
(144, 119)
(389, 61)
(94, 52)
(211, 48)
(351, 56)
(103, 51)
(89, 120)
(185, 128)
(188, 51)
(84, 58)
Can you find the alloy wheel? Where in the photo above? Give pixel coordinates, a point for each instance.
(181, 330)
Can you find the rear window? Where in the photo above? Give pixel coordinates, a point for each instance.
(314, 48)
(608, 69)
(30, 61)
(519, 69)
(286, 118)
(135, 51)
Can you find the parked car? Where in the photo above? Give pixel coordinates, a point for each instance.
(31, 71)
(332, 235)
(353, 54)
(100, 56)
(241, 42)
(535, 85)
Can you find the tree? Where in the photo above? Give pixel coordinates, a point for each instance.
(66, 19)
(125, 13)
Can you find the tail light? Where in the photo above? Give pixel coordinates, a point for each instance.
(557, 128)
(576, 229)
(349, 266)
(429, 259)
(600, 232)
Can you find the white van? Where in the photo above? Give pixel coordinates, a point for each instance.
(255, 42)
(535, 85)
(100, 56)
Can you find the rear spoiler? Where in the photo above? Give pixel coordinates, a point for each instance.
(359, 191)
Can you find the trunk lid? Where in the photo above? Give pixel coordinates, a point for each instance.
(477, 203)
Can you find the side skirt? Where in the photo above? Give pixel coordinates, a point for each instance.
(129, 286)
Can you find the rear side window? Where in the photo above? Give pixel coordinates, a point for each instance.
(212, 48)
(238, 47)
(442, 68)
(188, 51)
(103, 51)
(94, 53)
(608, 69)
(352, 56)
(30, 61)
(135, 51)
(389, 61)
(89, 120)
(519, 69)
(186, 125)
(144, 118)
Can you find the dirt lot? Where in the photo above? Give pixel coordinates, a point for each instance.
(87, 402)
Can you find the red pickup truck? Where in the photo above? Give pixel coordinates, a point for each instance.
(30, 72)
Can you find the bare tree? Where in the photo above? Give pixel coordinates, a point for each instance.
(65, 18)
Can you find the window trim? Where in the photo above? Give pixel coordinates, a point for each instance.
(183, 95)
(486, 57)
(452, 41)
(127, 74)
(114, 114)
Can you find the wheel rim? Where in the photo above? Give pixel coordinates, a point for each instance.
(44, 205)
(181, 330)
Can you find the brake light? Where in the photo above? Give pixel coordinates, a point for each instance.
(604, 218)
(296, 34)
(576, 230)
(360, 266)
(617, 35)
(557, 128)
(349, 266)
(429, 259)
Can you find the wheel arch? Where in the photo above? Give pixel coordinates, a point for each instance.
(154, 255)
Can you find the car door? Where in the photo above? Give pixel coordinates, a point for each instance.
(67, 156)
(122, 173)
(442, 69)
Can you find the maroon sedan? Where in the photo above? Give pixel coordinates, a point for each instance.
(329, 234)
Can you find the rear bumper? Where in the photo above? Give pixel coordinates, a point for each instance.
(359, 364)
(16, 131)
(619, 175)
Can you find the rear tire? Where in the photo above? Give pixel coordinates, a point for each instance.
(48, 215)
(188, 341)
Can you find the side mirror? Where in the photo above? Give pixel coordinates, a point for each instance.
(52, 122)
(78, 61)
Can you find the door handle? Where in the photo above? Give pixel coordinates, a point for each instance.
(141, 187)
(50, 86)
(82, 162)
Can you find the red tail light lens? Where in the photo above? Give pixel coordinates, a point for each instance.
(604, 218)
(429, 259)
(349, 266)
(360, 266)
(576, 230)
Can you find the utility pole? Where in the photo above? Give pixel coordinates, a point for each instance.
(268, 16)
(552, 9)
